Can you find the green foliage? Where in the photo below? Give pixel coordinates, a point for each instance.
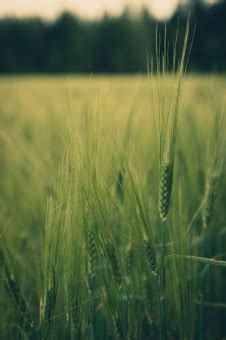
(81, 234)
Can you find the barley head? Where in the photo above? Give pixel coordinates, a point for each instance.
(117, 326)
(92, 252)
(14, 292)
(119, 186)
(48, 307)
(114, 263)
(128, 260)
(151, 255)
(210, 200)
(165, 188)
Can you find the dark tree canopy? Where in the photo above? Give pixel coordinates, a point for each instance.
(111, 45)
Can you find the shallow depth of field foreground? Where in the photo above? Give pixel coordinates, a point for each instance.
(113, 207)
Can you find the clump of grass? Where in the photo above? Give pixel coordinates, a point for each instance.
(166, 95)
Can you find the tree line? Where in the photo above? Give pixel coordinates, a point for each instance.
(110, 45)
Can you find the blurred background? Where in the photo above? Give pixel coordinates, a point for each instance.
(102, 36)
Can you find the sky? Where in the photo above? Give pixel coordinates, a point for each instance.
(86, 8)
(89, 9)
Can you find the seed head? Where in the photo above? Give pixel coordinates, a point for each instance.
(210, 200)
(92, 252)
(114, 263)
(14, 292)
(117, 328)
(151, 255)
(128, 260)
(165, 188)
(48, 307)
(119, 186)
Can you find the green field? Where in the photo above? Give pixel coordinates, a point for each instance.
(87, 236)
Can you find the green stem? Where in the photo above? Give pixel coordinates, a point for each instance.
(162, 288)
(204, 242)
(202, 288)
(204, 260)
(201, 308)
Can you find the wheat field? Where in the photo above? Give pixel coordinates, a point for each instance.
(113, 220)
